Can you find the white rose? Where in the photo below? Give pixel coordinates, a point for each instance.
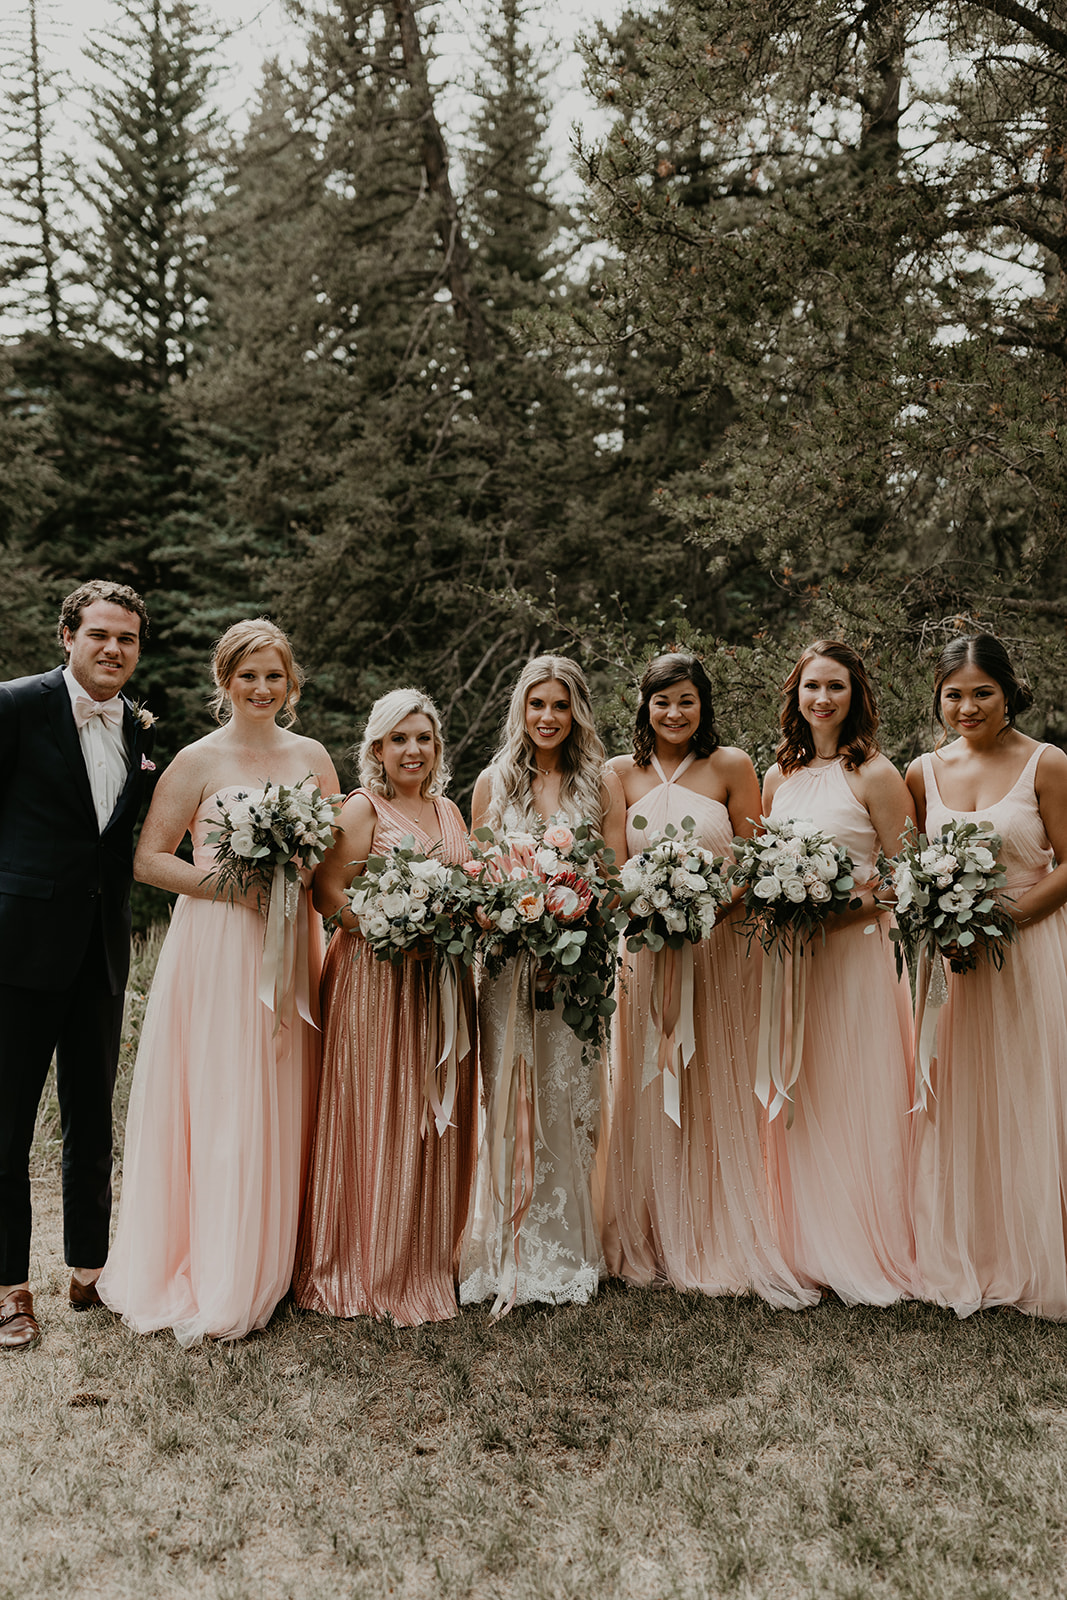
(825, 863)
(393, 905)
(243, 843)
(508, 920)
(641, 907)
(804, 828)
(420, 890)
(674, 920)
(767, 889)
(632, 878)
(819, 892)
(795, 891)
(660, 899)
(376, 927)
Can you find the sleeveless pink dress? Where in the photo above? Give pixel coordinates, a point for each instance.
(386, 1204)
(991, 1151)
(216, 1134)
(689, 1206)
(840, 1174)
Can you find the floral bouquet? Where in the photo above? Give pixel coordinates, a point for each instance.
(673, 890)
(544, 894)
(408, 903)
(794, 876)
(671, 893)
(285, 826)
(267, 838)
(946, 905)
(946, 897)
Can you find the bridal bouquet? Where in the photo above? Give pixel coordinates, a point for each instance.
(946, 897)
(283, 826)
(794, 876)
(543, 895)
(407, 901)
(672, 890)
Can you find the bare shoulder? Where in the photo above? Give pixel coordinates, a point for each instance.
(733, 762)
(915, 777)
(622, 765)
(1051, 768)
(612, 793)
(772, 779)
(879, 772)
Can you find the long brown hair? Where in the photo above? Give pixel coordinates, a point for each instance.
(856, 741)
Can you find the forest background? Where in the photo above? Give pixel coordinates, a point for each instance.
(790, 363)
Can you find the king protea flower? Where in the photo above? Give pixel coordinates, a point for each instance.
(568, 896)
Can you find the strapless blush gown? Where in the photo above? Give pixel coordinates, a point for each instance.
(216, 1134)
(386, 1203)
(689, 1205)
(991, 1150)
(840, 1174)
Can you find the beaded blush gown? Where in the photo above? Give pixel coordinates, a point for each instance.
(840, 1175)
(991, 1148)
(688, 1204)
(387, 1197)
(555, 1254)
(216, 1134)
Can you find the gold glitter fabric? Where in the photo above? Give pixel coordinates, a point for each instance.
(387, 1197)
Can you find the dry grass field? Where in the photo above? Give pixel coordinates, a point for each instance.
(649, 1445)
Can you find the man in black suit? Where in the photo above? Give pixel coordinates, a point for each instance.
(73, 770)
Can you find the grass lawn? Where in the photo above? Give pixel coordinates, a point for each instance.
(651, 1444)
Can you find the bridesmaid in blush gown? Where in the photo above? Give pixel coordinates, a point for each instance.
(686, 1203)
(991, 1148)
(544, 1245)
(839, 1175)
(387, 1197)
(221, 1100)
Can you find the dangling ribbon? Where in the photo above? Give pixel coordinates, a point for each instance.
(780, 1047)
(670, 1037)
(283, 977)
(450, 1041)
(931, 993)
(516, 1123)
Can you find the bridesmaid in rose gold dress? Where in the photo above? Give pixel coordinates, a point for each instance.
(991, 1155)
(839, 1175)
(387, 1197)
(686, 1201)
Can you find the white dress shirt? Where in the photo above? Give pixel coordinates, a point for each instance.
(104, 749)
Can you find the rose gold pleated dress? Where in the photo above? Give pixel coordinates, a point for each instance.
(386, 1203)
(686, 1202)
(991, 1147)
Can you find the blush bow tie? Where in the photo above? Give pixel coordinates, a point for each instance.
(110, 710)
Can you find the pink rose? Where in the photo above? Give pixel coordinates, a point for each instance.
(559, 838)
(472, 868)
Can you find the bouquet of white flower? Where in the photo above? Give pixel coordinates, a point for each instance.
(285, 826)
(408, 902)
(673, 890)
(794, 876)
(267, 838)
(946, 897)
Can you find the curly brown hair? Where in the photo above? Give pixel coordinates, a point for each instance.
(116, 594)
(856, 741)
(674, 666)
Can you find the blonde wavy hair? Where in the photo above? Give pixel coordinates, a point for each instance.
(514, 765)
(244, 639)
(385, 713)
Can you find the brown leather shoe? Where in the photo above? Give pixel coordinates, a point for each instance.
(83, 1296)
(18, 1325)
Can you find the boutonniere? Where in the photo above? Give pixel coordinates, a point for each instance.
(146, 718)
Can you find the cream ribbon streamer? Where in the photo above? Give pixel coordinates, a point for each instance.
(515, 1123)
(780, 1047)
(283, 977)
(670, 1037)
(450, 1040)
(931, 993)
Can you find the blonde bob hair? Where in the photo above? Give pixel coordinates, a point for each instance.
(582, 756)
(243, 639)
(385, 714)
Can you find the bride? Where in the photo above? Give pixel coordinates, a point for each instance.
(550, 763)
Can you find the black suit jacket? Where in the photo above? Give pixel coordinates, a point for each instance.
(57, 870)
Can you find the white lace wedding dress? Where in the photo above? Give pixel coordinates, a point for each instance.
(559, 1256)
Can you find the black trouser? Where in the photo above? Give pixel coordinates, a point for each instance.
(82, 1026)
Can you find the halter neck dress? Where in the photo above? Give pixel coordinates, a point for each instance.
(217, 1129)
(840, 1175)
(689, 1205)
(558, 1246)
(991, 1149)
(386, 1203)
